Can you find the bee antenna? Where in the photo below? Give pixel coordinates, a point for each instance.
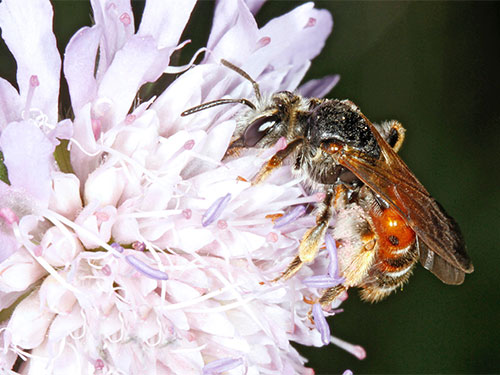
(214, 103)
(245, 75)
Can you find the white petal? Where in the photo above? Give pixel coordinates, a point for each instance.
(55, 297)
(10, 103)
(114, 181)
(165, 20)
(79, 66)
(59, 248)
(29, 322)
(138, 62)
(117, 22)
(27, 30)
(19, 271)
(65, 198)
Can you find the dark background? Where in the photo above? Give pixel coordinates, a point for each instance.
(434, 66)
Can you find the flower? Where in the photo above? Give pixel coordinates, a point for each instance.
(152, 253)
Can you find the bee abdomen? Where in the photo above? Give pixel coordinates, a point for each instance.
(396, 255)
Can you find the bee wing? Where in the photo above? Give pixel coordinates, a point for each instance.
(392, 180)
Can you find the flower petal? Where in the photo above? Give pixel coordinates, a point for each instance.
(165, 20)
(27, 30)
(318, 88)
(79, 65)
(117, 22)
(10, 103)
(234, 32)
(29, 322)
(143, 63)
(28, 157)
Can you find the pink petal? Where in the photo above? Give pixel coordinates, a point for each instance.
(79, 61)
(10, 103)
(27, 30)
(28, 157)
(165, 20)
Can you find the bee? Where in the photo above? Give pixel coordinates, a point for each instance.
(386, 221)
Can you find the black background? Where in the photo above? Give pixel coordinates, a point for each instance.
(435, 67)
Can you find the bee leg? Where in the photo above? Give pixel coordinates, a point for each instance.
(330, 294)
(276, 160)
(312, 239)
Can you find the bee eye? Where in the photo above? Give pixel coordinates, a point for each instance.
(258, 129)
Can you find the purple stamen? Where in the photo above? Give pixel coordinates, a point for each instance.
(139, 246)
(221, 365)
(290, 217)
(215, 210)
(117, 247)
(142, 267)
(331, 247)
(322, 281)
(321, 323)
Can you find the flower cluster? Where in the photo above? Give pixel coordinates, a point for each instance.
(149, 253)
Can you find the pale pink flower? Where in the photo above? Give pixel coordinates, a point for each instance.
(155, 255)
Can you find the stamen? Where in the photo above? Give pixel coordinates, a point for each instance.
(38, 251)
(215, 210)
(320, 196)
(125, 19)
(321, 323)
(272, 237)
(96, 128)
(290, 217)
(356, 350)
(130, 119)
(222, 224)
(281, 144)
(189, 144)
(139, 246)
(106, 270)
(310, 23)
(34, 83)
(187, 213)
(8, 215)
(331, 247)
(99, 364)
(264, 41)
(221, 365)
(142, 267)
(118, 248)
(322, 281)
(101, 217)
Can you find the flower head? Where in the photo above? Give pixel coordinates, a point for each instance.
(153, 253)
